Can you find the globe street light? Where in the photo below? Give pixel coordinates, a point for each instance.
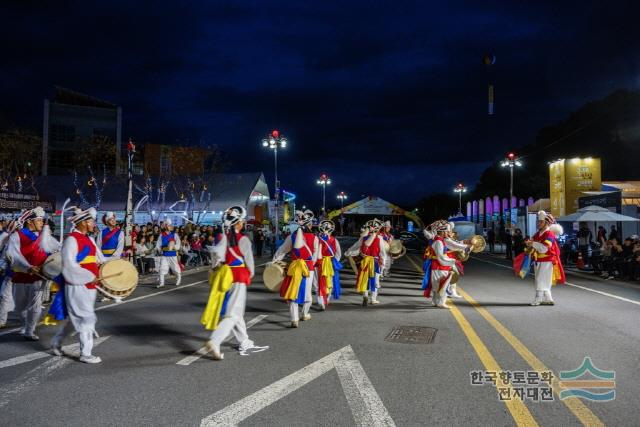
(511, 161)
(342, 196)
(324, 180)
(274, 140)
(460, 188)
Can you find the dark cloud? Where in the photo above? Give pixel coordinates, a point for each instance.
(388, 97)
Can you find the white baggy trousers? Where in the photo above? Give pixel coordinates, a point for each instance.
(544, 279)
(27, 298)
(80, 305)
(233, 321)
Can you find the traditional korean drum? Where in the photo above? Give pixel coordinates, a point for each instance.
(273, 276)
(52, 266)
(397, 249)
(118, 278)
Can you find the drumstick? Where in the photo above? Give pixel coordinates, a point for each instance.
(109, 276)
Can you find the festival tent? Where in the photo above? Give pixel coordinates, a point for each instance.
(596, 214)
(376, 207)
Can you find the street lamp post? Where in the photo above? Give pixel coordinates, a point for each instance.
(274, 140)
(460, 188)
(511, 161)
(342, 196)
(324, 180)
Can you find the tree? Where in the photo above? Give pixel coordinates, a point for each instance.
(20, 159)
(101, 154)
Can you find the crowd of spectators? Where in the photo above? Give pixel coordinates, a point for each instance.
(606, 253)
(196, 242)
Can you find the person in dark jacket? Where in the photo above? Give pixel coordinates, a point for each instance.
(518, 242)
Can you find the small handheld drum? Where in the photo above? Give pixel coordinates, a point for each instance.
(52, 266)
(118, 278)
(273, 276)
(397, 249)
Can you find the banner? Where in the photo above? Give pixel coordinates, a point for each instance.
(15, 202)
(568, 179)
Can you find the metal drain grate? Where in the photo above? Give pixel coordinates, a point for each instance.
(411, 335)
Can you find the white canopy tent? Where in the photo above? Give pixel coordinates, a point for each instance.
(596, 214)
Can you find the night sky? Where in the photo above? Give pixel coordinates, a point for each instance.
(388, 98)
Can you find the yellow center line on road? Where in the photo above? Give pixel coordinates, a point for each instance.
(516, 407)
(574, 404)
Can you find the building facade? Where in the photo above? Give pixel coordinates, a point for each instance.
(71, 118)
(172, 160)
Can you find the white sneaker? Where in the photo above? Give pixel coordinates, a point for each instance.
(56, 350)
(535, 302)
(253, 349)
(443, 305)
(160, 286)
(455, 295)
(215, 352)
(90, 359)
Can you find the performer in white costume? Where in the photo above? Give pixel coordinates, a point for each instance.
(304, 249)
(80, 260)
(168, 246)
(385, 233)
(110, 239)
(27, 249)
(454, 246)
(228, 296)
(6, 286)
(373, 250)
(327, 277)
(546, 254)
(441, 264)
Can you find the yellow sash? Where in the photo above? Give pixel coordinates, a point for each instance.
(297, 270)
(327, 271)
(368, 270)
(555, 278)
(220, 281)
(89, 259)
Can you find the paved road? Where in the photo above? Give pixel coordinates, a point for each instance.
(339, 366)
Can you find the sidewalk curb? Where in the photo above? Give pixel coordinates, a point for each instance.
(576, 273)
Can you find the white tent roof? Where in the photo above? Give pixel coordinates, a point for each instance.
(596, 214)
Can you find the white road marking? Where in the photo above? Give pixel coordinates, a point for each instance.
(104, 307)
(366, 406)
(37, 355)
(35, 376)
(203, 351)
(606, 294)
(365, 403)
